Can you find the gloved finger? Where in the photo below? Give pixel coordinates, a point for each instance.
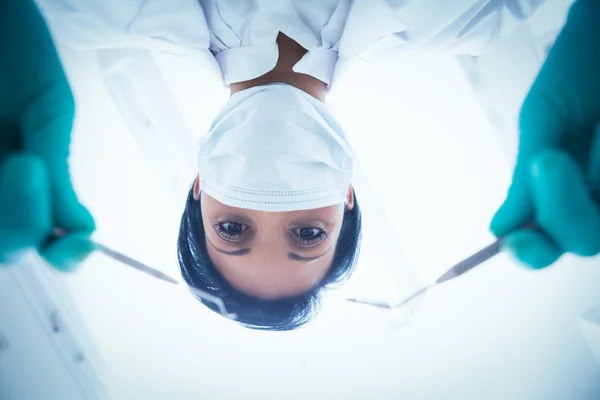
(543, 120)
(562, 101)
(517, 209)
(68, 252)
(24, 204)
(565, 210)
(46, 127)
(531, 249)
(43, 105)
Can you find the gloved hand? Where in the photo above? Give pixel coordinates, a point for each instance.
(556, 181)
(36, 117)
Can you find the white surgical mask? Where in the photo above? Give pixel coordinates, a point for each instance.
(275, 148)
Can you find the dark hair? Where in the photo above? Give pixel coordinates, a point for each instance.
(273, 315)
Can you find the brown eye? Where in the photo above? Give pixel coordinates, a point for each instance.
(231, 231)
(309, 236)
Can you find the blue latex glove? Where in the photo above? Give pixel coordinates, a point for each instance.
(557, 177)
(36, 117)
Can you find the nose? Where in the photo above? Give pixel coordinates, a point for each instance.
(271, 231)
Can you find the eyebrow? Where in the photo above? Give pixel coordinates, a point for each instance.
(240, 252)
(291, 256)
(298, 257)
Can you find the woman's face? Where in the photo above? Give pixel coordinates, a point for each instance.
(271, 255)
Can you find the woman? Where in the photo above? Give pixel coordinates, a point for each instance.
(245, 237)
(272, 218)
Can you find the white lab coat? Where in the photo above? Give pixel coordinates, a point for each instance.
(227, 31)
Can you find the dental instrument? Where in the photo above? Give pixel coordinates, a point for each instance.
(140, 266)
(115, 255)
(457, 270)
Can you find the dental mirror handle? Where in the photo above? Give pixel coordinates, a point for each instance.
(478, 258)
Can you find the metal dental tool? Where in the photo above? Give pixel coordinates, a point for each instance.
(140, 266)
(122, 258)
(115, 255)
(457, 270)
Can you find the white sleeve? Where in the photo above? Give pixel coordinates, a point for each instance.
(174, 26)
(458, 26)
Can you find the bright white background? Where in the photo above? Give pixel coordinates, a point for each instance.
(433, 172)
